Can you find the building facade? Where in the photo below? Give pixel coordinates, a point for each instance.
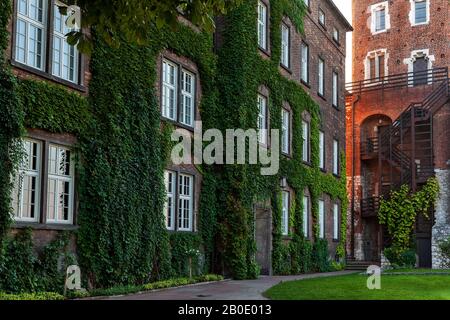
(396, 108)
(95, 140)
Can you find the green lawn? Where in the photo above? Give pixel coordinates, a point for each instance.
(353, 287)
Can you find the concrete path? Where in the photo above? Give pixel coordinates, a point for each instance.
(224, 290)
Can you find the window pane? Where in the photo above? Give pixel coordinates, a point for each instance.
(305, 137)
(262, 25)
(335, 89)
(321, 218)
(262, 119)
(335, 157)
(321, 70)
(421, 11)
(335, 221)
(169, 89)
(285, 213)
(305, 58)
(305, 216)
(321, 150)
(285, 131)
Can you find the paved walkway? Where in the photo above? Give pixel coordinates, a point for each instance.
(224, 290)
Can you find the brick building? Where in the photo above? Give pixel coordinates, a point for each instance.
(46, 198)
(396, 110)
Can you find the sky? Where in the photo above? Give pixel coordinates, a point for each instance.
(346, 8)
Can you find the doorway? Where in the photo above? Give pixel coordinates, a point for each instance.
(263, 238)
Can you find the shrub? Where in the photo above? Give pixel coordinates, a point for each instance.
(401, 258)
(32, 296)
(444, 246)
(320, 258)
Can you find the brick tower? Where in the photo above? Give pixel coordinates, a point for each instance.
(397, 109)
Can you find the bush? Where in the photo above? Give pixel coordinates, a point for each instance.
(321, 262)
(401, 258)
(32, 296)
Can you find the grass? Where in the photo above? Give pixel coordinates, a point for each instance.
(404, 270)
(353, 287)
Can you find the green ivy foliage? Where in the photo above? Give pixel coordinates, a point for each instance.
(241, 70)
(24, 270)
(399, 212)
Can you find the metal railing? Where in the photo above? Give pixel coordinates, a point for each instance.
(409, 79)
(369, 147)
(369, 207)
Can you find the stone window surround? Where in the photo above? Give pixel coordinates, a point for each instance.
(412, 13)
(372, 9)
(416, 54)
(375, 54)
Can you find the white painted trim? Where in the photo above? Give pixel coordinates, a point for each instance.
(410, 63)
(375, 54)
(376, 7)
(412, 13)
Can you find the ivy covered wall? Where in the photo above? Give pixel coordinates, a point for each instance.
(122, 152)
(241, 71)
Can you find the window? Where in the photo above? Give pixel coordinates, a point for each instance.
(305, 63)
(321, 77)
(185, 202)
(59, 180)
(174, 89)
(285, 131)
(335, 157)
(376, 64)
(336, 35)
(169, 207)
(179, 198)
(285, 45)
(65, 56)
(60, 185)
(321, 150)
(306, 2)
(336, 221)
(262, 119)
(380, 17)
(335, 89)
(31, 48)
(26, 194)
(420, 12)
(321, 219)
(262, 25)
(306, 216)
(285, 213)
(306, 141)
(321, 17)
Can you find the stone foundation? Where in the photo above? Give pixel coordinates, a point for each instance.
(441, 228)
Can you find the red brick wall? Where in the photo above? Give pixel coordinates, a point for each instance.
(401, 38)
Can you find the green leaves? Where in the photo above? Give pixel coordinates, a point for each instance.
(133, 19)
(400, 211)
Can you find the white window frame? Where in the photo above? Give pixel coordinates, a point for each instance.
(168, 86)
(306, 134)
(335, 157)
(322, 150)
(285, 204)
(410, 63)
(26, 171)
(182, 197)
(412, 13)
(285, 131)
(187, 118)
(30, 22)
(306, 216)
(64, 50)
(321, 77)
(336, 35)
(374, 9)
(57, 177)
(336, 221)
(322, 18)
(262, 124)
(285, 45)
(262, 25)
(305, 62)
(375, 55)
(170, 181)
(321, 219)
(335, 89)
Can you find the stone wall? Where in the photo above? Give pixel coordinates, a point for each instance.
(441, 228)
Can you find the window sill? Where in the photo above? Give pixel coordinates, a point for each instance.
(323, 170)
(264, 51)
(337, 42)
(322, 25)
(336, 107)
(287, 237)
(306, 84)
(47, 76)
(177, 124)
(336, 240)
(42, 226)
(322, 96)
(181, 231)
(337, 176)
(307, 163)
(286, 68)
